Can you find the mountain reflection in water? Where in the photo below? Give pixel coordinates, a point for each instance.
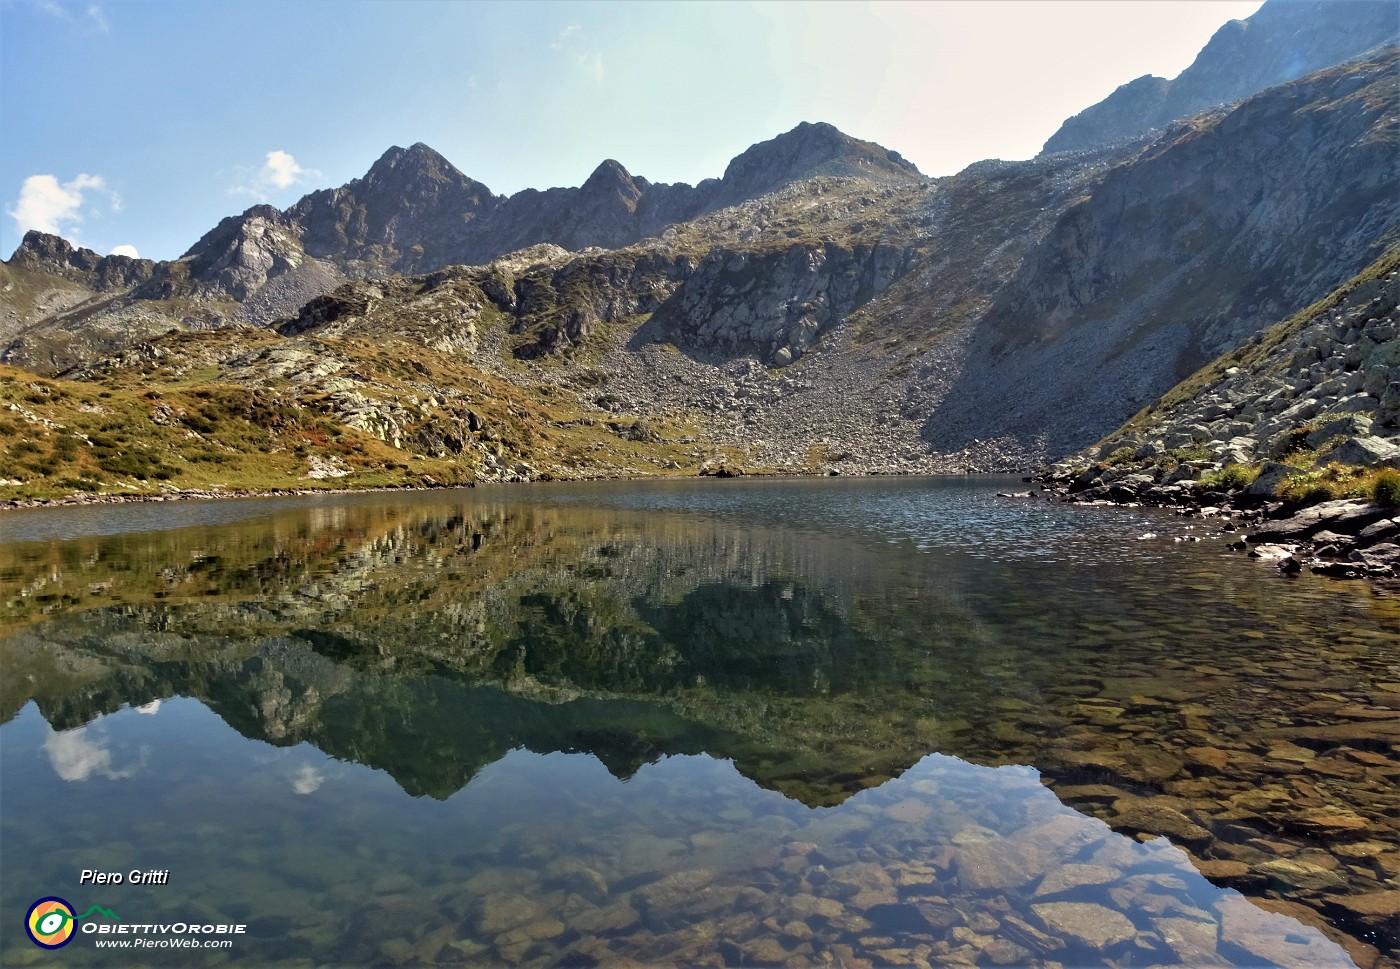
(547, 857)
(776, 672)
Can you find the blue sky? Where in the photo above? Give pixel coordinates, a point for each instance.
(138, 124)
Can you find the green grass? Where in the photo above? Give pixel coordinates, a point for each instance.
(1232, 478)
(1385, 489)
(1335, 481)
(156, 427)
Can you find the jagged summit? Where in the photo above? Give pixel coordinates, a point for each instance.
(1281, 42)
(46, 252)
(416, 161)
(414, 211)
(610, 177)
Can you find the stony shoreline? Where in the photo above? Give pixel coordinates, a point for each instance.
(205, 494)
(1348, 538)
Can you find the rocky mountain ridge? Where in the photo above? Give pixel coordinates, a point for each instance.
(1282, 41)
(414, 212)
(1221, 226)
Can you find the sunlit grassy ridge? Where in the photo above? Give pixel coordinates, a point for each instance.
(241, 410)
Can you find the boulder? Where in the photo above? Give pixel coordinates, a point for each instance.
(1346, 516)
(1086, 923)
(1353, 425)
(1365, 452)
(1381, 557)
(1387, 529)
(1272, 475)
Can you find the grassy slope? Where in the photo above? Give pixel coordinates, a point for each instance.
(186, 419)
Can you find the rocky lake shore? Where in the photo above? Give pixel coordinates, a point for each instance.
(1292, 442)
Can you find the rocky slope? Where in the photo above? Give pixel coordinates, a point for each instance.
(1307, 412)
(1216, 229)
(1282, 41)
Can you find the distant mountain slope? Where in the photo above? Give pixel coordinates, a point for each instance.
(1282, 41)
(1224, 224)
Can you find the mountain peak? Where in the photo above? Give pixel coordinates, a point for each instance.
(609, 168)
(809, 150)
(610, 177)
(417, 159)
(43, 247)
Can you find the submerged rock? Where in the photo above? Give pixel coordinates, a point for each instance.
(1085, 922)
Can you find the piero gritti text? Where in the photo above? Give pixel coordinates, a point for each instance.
(136, 876)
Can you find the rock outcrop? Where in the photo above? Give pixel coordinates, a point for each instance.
(775, 304)
(240, 255)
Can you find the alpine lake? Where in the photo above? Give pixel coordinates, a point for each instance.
(877, 722)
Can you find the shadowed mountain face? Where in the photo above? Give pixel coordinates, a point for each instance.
(1222, 226)
(1282, 41)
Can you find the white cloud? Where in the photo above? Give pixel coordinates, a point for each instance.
(74, 757)
(152, 708)
(308, 780)
(279, 171)
(282, 169)
(57, 207)
(94, 15)
(585, 56)
(564, 35)
(54, 9)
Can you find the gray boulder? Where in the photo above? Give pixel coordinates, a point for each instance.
(1366, 452)
(1270, 477)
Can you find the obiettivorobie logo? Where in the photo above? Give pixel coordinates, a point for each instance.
(50, 921)
(51, 924)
